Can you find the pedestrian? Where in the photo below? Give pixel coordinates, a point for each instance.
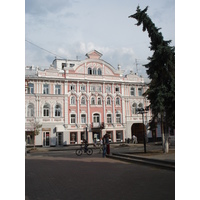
(101, 145)
(104, 145)
(108, 145)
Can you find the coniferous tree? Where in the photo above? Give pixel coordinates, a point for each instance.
(161, 72)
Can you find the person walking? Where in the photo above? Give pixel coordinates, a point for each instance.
(104, 145)
(101, 145)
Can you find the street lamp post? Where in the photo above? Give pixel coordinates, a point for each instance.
(142, 111)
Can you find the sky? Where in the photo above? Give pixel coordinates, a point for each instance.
(71, 28)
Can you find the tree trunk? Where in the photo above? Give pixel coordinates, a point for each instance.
(166, 143)
(162, 134)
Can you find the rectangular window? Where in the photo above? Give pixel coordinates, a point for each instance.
(83, 119)
(109, 118)
(118, 118)
(63, 65)
(82, 88)
(132, 91)
(139, 91)
(46, 89)
(108, 89)
(117, 89)
(72, 87)
(30, 88)
(98, 89)
(73, 119)
(92, 88)
(57, 89)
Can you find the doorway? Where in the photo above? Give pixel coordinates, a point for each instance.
(138, 129)
(45, 139)
(59, 138)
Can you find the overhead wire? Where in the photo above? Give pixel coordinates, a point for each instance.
(44, 49)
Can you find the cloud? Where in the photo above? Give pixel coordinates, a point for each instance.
(38, 7)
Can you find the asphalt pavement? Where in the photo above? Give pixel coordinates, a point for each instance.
(57, 174)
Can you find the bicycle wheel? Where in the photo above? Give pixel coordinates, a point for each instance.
(89, 152)
(78, 152)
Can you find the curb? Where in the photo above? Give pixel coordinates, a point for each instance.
(169, 165)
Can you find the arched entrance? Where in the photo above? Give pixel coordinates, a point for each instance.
(138, 130)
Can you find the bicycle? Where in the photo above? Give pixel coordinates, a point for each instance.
(82, 150)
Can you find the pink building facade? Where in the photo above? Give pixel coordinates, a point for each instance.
(76, 99)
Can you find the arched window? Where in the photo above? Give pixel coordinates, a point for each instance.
(94, 71)
(99, 72)
(73, 100)
(92, 101)
(134, 107)
(118, 101)
(46, 110)
(99, 101)
(89, 70)
(140, 105)
(30, 110)
(57, 110)
(96, 118)
(83, 100)
(108, 101)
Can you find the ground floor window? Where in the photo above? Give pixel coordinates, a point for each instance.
(73, 137)
(119, 136)
(46, 138)
(29, 138)
(59, 138)
(96, 136)
(110, 133)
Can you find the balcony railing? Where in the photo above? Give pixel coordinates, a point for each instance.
(97, 125)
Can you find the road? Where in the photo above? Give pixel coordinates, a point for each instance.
(61, 175)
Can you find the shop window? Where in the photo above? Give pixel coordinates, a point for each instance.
(73, 138)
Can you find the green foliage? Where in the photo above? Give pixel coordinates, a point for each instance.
(160, 70)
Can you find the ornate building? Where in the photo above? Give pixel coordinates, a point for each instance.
(83, 99)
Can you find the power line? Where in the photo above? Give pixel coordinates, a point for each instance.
(44, 49)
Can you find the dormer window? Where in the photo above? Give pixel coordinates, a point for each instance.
(63, 65)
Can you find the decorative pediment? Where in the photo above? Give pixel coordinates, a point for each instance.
(94, 54)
